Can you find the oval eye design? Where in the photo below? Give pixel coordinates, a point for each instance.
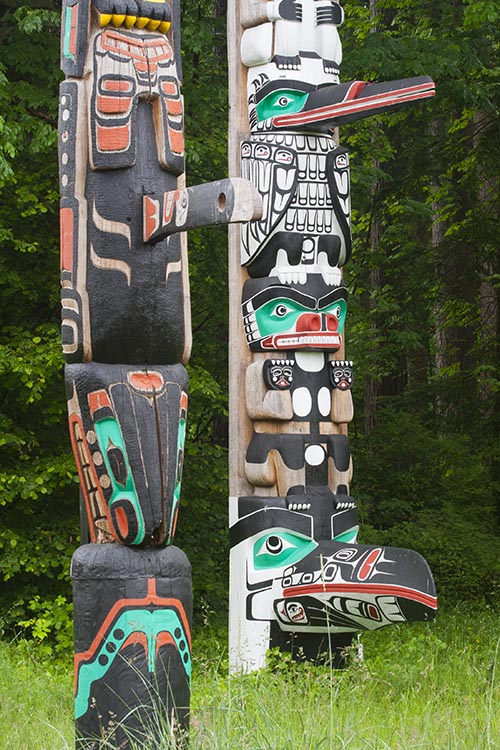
(274, 545)
(278, 548)
(281, 311)
(285, 101)
(337, 312)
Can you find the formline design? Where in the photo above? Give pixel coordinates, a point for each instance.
(126, 338)
(299, 578)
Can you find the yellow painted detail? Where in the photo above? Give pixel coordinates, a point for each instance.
(118, 19)
(156, 1)
(153, 25)
(104, 19)
(164, 26)
(141, 22)
(130, 21)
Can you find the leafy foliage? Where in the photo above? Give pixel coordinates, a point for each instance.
(423, 320)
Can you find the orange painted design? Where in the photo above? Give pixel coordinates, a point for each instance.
(157, 49)
(174, 523)
(114, 138)
(368, 564)
(112, 105)
(123, 45)
(98, 400)
(174, 106)
(113, 85)
(165, 53)
(169, 88)
(136, 637)
(83, 459)
(176, 139)
(164, 639)
(67, 238)
(150, 598)
(184, 400)
(141, 66)
(73, 30)
(122, 522)
(146, 381)
(151, 216)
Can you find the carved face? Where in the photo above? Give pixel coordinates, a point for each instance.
(341, 374)
(278, 374)
(326, 586)
(282, 317)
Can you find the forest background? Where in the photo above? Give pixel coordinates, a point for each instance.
(422, 326)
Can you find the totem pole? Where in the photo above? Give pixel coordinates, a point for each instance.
(299, 579)
(126, 338)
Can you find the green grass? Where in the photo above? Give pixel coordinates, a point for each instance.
(35, 701)
(420, 686)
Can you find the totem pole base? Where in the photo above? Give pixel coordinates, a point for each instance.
(132, 645)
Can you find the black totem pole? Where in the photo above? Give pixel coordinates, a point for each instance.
(126, 339)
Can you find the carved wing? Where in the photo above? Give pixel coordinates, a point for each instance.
(337, 172)
(273, 170)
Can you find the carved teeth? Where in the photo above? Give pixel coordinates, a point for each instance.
(332, 276)
(129, 21)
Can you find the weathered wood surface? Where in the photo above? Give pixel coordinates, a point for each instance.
(293, 521)
(126, 334)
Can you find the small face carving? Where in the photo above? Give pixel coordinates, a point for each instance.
(278, 374)
(341, 374)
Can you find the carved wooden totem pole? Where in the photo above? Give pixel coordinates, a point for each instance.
(299, 579)
(126, 338)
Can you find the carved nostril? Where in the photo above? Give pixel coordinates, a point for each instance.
(309, 322)
(332, 323)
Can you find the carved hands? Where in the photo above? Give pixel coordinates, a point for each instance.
(287, 10)
(154, 15)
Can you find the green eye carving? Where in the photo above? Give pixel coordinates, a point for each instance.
(273, 314)
(285, 101)
(277, 548)
(280, 311)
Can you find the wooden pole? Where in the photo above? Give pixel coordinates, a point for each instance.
(126, 334)
(299, 579)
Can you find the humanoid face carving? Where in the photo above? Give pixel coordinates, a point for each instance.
(341, 374)
(278, 373)
(284, 317)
